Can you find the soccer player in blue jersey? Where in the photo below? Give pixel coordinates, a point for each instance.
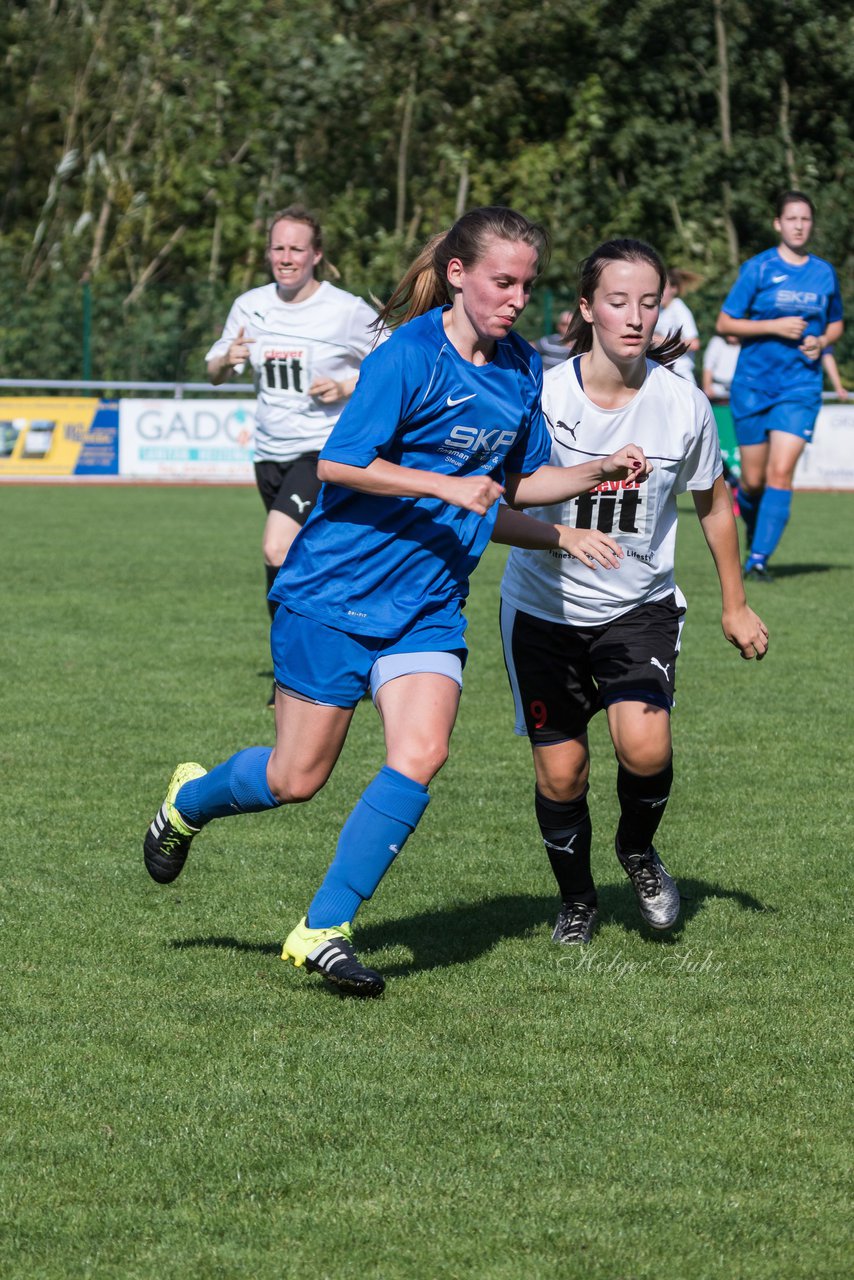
(445, 418)
(785, 308)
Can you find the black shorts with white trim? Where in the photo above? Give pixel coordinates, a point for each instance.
(562, 675)
(289, 487)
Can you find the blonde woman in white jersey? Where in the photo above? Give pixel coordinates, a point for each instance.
(305, 340)
(599, 625)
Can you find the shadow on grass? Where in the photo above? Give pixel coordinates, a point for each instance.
(226, 943)
(459, 934)
(617, 906)
(797, 570)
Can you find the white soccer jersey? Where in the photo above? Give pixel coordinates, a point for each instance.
(326, 336)
(672, 421)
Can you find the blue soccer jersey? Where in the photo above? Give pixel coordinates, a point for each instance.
(768, 288)
(372, 564)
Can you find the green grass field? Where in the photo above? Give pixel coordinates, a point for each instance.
(177, 1103)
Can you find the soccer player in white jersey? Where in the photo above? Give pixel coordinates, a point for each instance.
(675, 316)
(305, 340)
(576, 640)
(446, 417)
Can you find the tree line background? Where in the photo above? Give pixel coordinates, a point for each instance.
(144, 144)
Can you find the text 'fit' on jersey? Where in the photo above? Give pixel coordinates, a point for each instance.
(293, 344)
(672, 421)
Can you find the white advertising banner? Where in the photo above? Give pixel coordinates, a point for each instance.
(828, 463)
(186, 440)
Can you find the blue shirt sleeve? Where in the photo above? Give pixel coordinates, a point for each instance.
(834, 306)
(380, 403)
(742, 293)
(533, 449)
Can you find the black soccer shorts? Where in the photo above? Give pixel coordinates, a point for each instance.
(289, 487)
(562, 675)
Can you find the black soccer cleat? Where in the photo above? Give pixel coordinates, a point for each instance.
(656, 890)
(330, 953)
(757, 573)
(168, 839)
(575, 924)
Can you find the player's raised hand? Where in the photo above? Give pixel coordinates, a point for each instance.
(589, 547)
(628, 463)
(472, 493)
(238, 349)
(746, 630)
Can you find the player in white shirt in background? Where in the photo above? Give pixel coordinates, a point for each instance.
(576, 640)
(675, 317)
(305, 340)
(719, 361)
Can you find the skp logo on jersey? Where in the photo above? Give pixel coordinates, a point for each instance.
(476, 440)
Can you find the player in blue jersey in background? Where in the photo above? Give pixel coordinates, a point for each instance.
(445, 418)
(785, 309)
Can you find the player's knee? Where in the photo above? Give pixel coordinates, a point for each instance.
(421, 761)
(295, 786)
(563, 787)
(780, 477)
(645, 758)
(564, 792)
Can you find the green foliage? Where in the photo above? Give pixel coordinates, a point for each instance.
(179, 1104)
(146, 144)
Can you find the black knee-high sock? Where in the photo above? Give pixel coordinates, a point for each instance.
(272, 573)
(642, 804)
(567, 834)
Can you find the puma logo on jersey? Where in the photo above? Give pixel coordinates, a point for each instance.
(300, 503)
(452, 403)
(656, 663)
(476, 440)
(571, 430)
(562, 848)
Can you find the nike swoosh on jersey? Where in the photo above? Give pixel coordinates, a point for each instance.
(778, 279)
(451, 403)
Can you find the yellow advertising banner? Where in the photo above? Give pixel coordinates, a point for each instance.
(58, 436)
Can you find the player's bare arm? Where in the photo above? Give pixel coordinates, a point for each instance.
(791, 327)
(473, 493)
(548, 485)
(588, 546)
(328, 391)
(742, 627)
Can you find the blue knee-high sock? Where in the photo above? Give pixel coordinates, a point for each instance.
(237, 786)
(748, 505)
(773, 517)
(386, 813)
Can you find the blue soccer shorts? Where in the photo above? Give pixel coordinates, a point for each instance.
(754, 417)
(335, 668)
